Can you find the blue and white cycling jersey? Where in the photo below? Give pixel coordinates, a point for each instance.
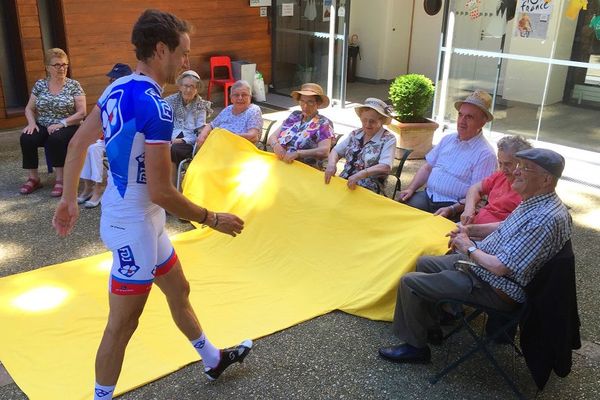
(133, 114)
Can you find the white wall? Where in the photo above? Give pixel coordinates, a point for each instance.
(425, 44)
(383, 28)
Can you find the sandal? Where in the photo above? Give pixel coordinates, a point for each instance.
(57, 189)
(30, 186)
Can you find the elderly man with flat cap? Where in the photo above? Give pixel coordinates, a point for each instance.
(459, 161)
(504, 262)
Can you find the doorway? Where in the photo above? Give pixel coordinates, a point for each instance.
(309, 45)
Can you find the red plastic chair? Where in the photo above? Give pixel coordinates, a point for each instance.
(221, 62)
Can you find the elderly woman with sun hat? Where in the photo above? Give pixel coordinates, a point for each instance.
(305, 135)
(369, 150)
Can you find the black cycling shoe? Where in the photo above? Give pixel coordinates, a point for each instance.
(229, 356)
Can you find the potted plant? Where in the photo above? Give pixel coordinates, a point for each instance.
(411, 96)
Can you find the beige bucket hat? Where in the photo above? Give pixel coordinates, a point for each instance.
(479, 98)
(311, 89)
(375, 104)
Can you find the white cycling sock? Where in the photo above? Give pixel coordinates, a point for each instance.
(103, 392)
(209, 353)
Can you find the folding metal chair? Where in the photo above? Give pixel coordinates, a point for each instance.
(262, 142)
(510, 321)
(183, 166)
(401, 155)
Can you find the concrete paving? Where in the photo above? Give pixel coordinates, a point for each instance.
(330, 357)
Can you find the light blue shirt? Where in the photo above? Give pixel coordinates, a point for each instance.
(457, 165)
(241, 123)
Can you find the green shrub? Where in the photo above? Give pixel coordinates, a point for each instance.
(411, 96)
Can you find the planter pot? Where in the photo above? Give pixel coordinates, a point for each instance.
(417, 136)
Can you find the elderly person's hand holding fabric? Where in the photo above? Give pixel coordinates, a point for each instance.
(369, 151)
(305, 135)
(54, 110)
(190, 112)
(241, 117)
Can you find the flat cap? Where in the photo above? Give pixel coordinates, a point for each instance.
(550, 160)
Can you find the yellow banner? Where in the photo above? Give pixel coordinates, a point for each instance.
(307, 249)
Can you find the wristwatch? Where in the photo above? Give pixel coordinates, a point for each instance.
(471, 250)
(64, 122)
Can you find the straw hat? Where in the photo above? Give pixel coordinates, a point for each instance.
(311, 89)
(479, 99)
(377, 105)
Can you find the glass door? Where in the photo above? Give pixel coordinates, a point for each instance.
(309, 45)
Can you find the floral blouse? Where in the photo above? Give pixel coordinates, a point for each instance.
(298, 135)
(188, 118)
(51, 108)
(379, 150)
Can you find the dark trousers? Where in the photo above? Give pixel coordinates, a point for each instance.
(422, 201)
(181, 151)
(56, 146)
(437, 278)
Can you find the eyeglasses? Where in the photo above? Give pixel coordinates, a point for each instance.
(240, 95)
(523, 168)
(188, 87)
(307, 102)
(59, 66)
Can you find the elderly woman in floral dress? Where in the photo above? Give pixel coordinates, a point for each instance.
(305, 135)
(369, 150)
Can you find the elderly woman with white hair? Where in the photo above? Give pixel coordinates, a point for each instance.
(190, 112)
(369, 150)
(241, 117)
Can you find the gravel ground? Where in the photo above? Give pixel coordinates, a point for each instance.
(332, 356)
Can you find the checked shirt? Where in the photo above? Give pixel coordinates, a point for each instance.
(532, 234)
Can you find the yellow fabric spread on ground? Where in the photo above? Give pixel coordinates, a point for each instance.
(307, 249)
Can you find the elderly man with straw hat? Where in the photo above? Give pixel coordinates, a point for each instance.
(369, 150)
(460, 160)
(305, 135)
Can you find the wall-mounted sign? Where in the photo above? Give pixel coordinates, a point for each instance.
(263, 11)
(260, 3)
(533, 17)
(287, 10)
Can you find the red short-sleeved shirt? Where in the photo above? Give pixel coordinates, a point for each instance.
(502, 199)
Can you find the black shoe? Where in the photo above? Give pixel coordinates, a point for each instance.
(229, 356)
(435, 336)
(406, 353)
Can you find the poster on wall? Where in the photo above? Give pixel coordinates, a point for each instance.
(532, 18)
(326, 10)
(287, 10)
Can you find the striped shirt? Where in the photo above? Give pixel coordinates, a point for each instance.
(530, 236)
(457, 165)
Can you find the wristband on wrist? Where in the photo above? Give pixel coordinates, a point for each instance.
(64, 122)
(205, 216)
(216, 220)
